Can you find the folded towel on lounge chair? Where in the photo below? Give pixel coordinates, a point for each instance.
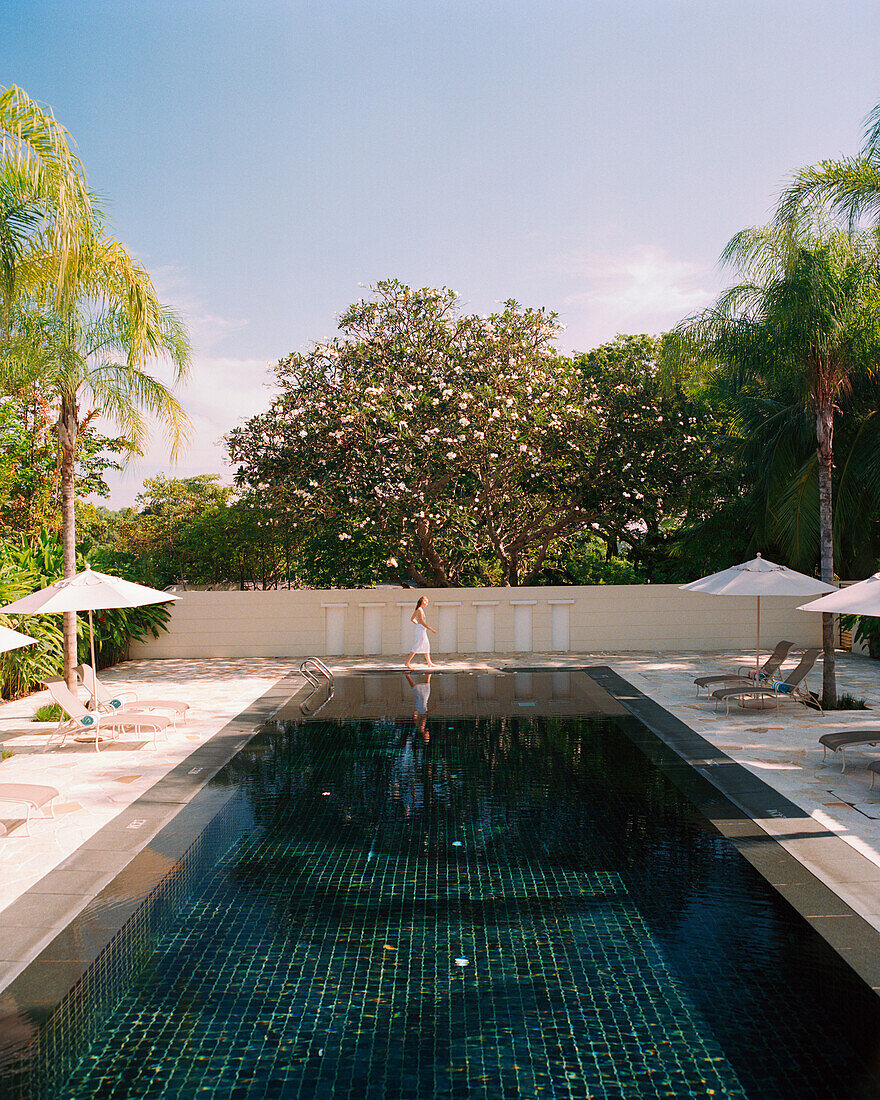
(80, 720)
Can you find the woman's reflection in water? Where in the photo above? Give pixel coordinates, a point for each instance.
(421, 698)
(410, 772)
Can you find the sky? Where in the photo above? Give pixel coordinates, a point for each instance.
(268, 160)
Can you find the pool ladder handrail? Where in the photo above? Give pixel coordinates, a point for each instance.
(309, 673)
(316, 685)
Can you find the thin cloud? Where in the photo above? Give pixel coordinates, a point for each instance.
(641, 290)
(206, 329)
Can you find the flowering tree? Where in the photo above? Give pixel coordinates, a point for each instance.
(467, 445)
(454, 437)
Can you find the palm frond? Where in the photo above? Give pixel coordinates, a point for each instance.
(40, 148)
(125, 393)
(795, 515)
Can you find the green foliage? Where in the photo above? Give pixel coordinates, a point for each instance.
(845, 701)
(28, 565)
(588, 560)
(48, 712)
(865, 629)
(466, 447)
(30, 482)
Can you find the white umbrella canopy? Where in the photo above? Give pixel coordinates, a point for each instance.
(856, 599)
(87, 591)
(758, 578)
(11, 639)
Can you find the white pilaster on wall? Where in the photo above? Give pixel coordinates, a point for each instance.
(334, 628)
(406, 627)
(485, 625)
(372, 626)
(522, 625)
(447, 626)
(560, 625)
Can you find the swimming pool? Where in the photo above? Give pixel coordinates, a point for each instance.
(515, 903)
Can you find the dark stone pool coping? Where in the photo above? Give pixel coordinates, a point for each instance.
(735, 801)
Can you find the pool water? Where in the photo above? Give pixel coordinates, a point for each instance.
(518, 905)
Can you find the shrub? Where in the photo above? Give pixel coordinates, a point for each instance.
(48, 712)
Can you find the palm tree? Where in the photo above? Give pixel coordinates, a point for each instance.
(94, 350)
(804, 315)
(849, 186)
(46, 209)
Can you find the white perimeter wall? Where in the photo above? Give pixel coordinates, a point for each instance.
(610, 618)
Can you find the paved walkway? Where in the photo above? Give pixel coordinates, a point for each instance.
(779, 746)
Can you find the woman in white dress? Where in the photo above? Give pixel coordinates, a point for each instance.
(421, 644)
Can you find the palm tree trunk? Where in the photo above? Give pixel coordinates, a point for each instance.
(67, 433)
(824, 436)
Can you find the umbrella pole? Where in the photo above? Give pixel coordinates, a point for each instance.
(94, 668)
(757, 639)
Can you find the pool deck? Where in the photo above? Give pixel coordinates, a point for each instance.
(49, 877)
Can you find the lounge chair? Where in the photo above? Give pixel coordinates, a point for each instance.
(30, 795)
(108, 701)
(874, 768)
(845, 739)
(745, 676)
(792, 687)
(82, 721)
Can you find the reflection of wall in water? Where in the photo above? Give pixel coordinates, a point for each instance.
(486, 685)
(522, 685)
(561, 684)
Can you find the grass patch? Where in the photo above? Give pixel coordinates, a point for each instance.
(845, 701)
(5, 754)
(48, 712)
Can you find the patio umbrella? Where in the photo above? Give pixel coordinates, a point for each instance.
(856, 599)
(758, 578)
(87, 591)
(11, 639)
